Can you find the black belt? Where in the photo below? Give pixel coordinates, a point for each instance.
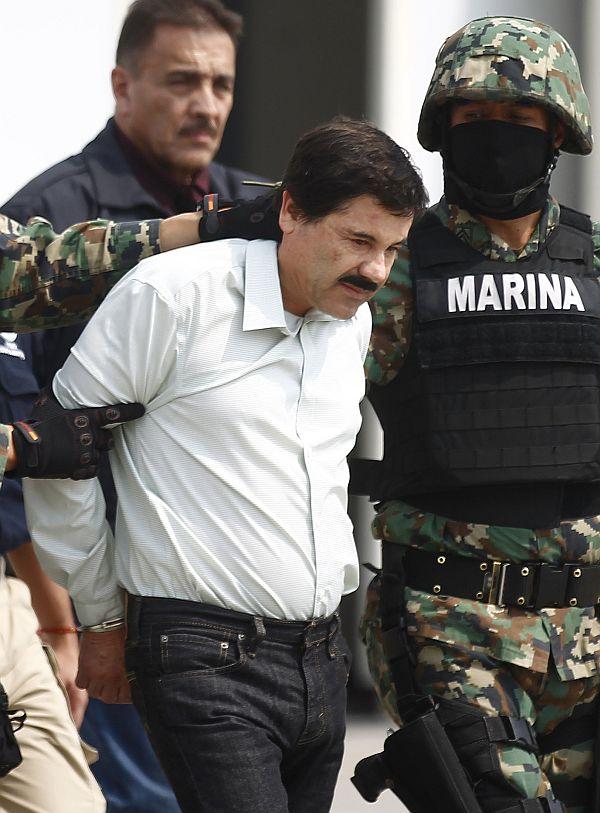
(529, 585)
(287, 632)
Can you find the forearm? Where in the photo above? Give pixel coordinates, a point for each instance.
(51, 280)
(181, 230)
(52, 607)
(50, 602)
(74, 544)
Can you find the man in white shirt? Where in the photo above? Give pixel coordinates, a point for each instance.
(232, 537)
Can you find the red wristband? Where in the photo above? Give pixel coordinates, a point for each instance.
(57, 630)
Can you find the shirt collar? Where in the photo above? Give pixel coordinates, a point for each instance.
(473, 232)
(263, 302)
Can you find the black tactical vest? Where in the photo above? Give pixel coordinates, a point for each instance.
(495, 415)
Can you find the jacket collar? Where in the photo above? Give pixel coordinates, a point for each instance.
(115, 185)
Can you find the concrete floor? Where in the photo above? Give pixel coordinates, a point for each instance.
(365, 736)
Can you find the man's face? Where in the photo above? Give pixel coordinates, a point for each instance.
(174, 103)
(338, 262)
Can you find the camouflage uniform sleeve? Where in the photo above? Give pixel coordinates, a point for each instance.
(50, 280)
(4, 441)
(392, 309)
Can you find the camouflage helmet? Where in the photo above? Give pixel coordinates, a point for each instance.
(508, 58)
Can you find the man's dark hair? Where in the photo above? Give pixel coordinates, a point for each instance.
(346, 158)
(143, 16)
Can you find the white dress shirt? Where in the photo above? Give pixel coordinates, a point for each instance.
(232, 487)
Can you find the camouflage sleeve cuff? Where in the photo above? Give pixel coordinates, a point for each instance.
(128, 243)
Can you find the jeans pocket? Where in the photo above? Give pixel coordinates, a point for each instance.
(197, 650)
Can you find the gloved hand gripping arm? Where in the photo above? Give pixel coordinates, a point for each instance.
(256, 219)
(59, 443)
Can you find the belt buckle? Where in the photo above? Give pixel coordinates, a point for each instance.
(494, 584)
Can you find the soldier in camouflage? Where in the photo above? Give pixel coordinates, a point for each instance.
(50, 280)
(495, 79)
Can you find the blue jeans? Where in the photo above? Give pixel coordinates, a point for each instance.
(128, 771)
(245, 713)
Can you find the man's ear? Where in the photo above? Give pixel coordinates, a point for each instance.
(121, 80)
(289, 214)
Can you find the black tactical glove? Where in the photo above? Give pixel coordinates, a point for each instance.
(59, 443)
(256, 219)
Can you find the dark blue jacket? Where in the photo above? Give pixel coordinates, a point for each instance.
(18, 390)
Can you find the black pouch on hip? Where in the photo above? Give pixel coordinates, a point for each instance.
(419, 764)
(10, 721)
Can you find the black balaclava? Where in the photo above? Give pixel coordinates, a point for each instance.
(497, 168)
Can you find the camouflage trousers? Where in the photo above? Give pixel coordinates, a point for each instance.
(455, 672)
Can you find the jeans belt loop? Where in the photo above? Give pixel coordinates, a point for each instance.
(258, 635)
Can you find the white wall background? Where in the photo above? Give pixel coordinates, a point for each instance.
(56, 58)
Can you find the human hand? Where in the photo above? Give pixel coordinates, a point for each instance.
(256, 219)
(60, 443)
(65, 648)
(102, 666)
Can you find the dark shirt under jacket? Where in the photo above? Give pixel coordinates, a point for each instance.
(173, 198)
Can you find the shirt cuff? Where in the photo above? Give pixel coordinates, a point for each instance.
(99, 611)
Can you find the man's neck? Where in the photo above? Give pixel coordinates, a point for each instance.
(173, 195)
(177, 178)
(516, 233)
(290, 297)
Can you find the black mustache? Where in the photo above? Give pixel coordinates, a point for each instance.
(200, 123)
(360, 282)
